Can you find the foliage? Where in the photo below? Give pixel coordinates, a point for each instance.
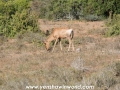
(114, 29)
(20, 16)
(92, 17)
(16, 17)
(77, 9)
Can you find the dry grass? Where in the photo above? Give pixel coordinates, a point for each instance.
(104, 79)
(95, 61)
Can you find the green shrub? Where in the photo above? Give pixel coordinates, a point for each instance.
(113, 31)
(16, 17)
(92, 18)
(114, 28)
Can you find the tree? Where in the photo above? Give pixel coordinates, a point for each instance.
(16, 17)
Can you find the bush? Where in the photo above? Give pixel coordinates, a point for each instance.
(114, 28)
(92, 18)
(16, 17)
(113, 31)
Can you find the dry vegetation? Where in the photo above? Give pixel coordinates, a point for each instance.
(96, 60)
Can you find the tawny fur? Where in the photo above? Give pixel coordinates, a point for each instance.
(58, 34)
